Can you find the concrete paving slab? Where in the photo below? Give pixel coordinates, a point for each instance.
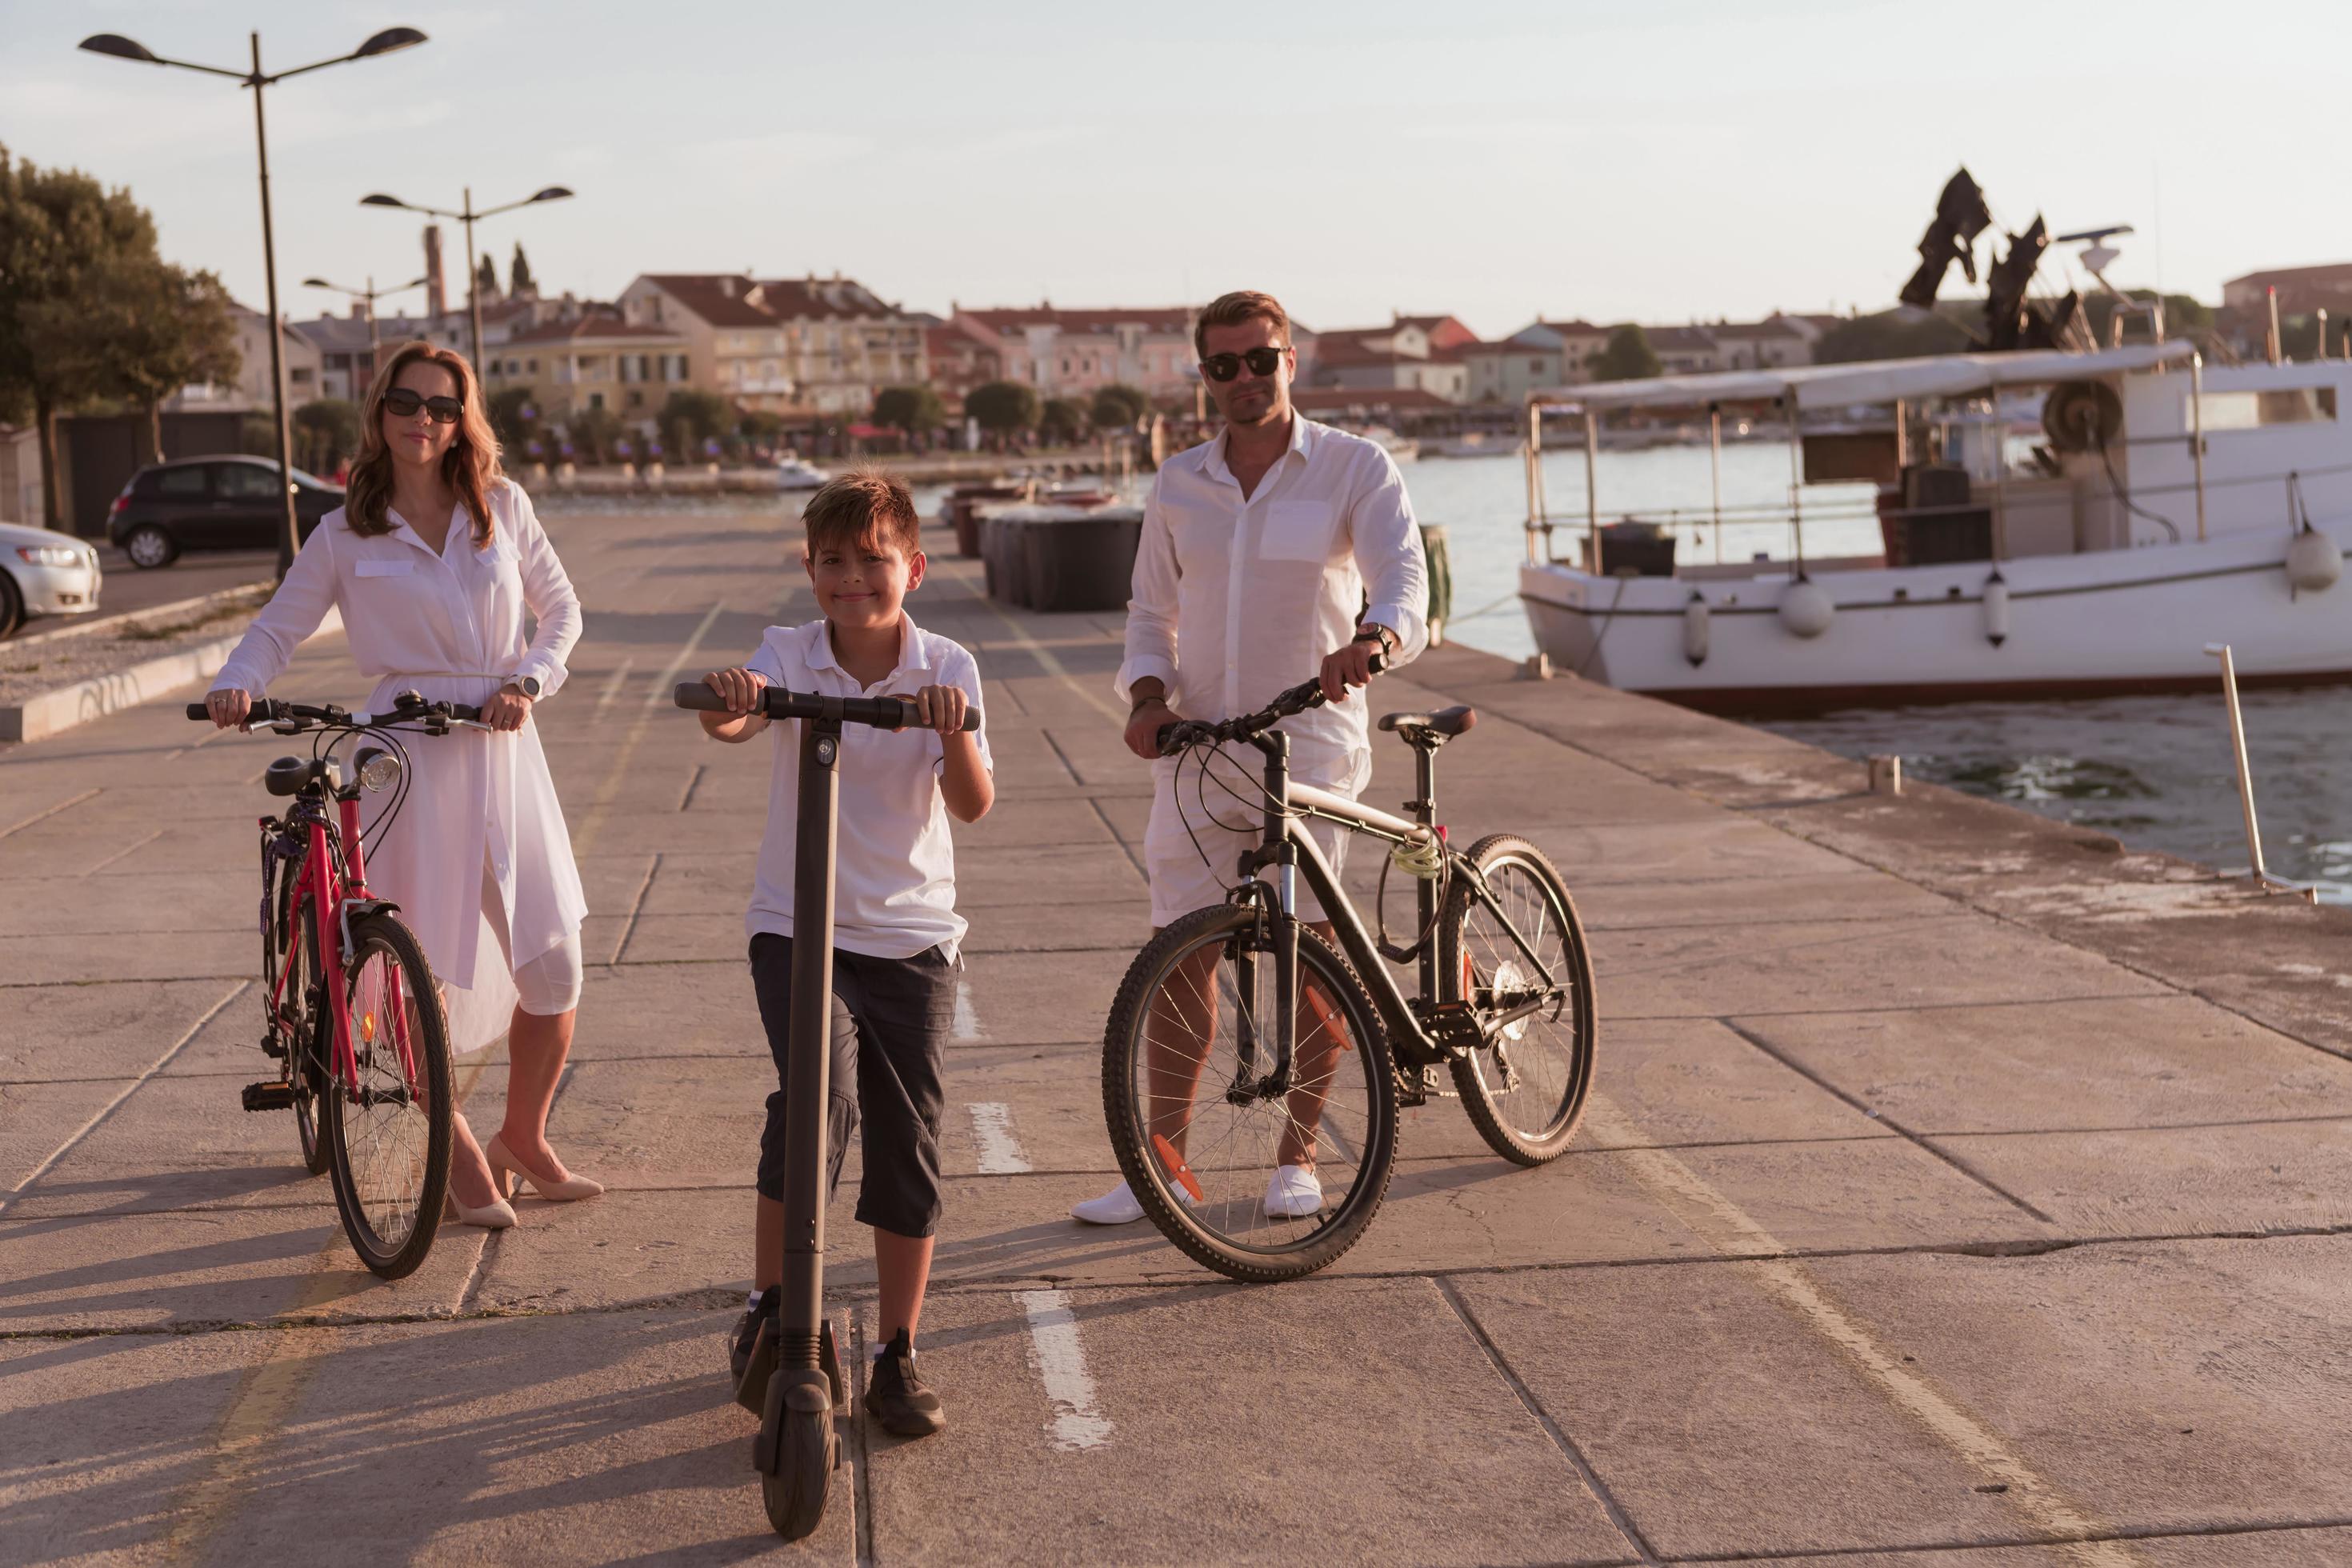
(2193, 1181)
(189, 1270)
(110, 1032)
(1797, 967)
(2286, 1546)
(1173, 1460)
(2167, 1387)
(112, 908)
(1023, 998)
(2139, 1061)
(1853, 895)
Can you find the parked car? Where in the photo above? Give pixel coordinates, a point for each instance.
(44, 573)
(211, 503)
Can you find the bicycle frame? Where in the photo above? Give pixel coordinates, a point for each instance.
(322, 888)
(1289, 850)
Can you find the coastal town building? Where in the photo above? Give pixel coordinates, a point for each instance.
(251, 390)
(784, 345)
(596, 360)
(1424, 354)
(1759, 345)
(1684, 350)
(2301, 290)
(1064, 352)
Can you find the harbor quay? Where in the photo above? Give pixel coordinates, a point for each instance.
(1958, 1188)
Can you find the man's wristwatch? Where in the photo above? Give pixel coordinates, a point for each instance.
(1387, 640)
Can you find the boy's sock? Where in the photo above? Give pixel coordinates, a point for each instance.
(751, 1304)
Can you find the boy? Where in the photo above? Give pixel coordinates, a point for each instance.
(895, 926)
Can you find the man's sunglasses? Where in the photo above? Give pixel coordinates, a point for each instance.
(402, 404)
(1225, 367)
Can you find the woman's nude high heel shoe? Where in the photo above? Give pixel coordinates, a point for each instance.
(503, 1164)
(496, 1217)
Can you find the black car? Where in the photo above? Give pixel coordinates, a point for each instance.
(211, 503)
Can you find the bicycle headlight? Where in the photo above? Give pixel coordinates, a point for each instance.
(379, 771)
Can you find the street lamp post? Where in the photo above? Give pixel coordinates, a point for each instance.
(382, 43)
(469, 217)
(368, 297)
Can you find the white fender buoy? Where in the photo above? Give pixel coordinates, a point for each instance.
(1996, 609)
(2313, 561)
(1807, 609)
(1695, 629)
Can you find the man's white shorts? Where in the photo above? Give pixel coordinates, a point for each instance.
(1199, 827)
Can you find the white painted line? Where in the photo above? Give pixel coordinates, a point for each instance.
(1061, 1363)
(612, 687)
(1000, 1151)
(966, 1024)
(1712, 1215)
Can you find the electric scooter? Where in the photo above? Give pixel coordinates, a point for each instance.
(794, 1376)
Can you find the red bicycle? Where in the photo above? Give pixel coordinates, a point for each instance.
(351, 1010)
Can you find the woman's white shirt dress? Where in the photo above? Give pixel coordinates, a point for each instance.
(449, 624)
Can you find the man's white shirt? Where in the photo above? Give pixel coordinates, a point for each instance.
(894, 861)
(1236, 599)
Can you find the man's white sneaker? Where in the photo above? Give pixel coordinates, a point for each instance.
(1294, 1192)
(1117, 1206)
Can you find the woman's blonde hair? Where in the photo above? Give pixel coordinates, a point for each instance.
(470, 466)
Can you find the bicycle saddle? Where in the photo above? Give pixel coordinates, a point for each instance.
(1431, 728)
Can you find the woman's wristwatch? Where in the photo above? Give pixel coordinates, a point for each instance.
(526, 684)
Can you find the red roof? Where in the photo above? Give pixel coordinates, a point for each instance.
(593, 326)
(721, 298)
(1153, 319)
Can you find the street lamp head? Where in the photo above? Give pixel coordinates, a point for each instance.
(121, 47)
(381, 200)
(315, 283)
(385, 42)
(552, 194)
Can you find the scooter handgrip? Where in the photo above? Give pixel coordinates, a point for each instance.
(696, 695)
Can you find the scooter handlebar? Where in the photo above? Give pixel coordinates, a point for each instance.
(881, 713)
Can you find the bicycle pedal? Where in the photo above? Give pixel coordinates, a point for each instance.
(1436, 1081)
(270, 1046)
(273, 1095)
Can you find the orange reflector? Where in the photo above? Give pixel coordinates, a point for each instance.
(1176, 1166)
(367, 1028)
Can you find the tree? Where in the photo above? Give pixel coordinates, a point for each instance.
(325, 432)
(69, 250)
(519, 280)
(1002, 407)
(1901, 333)
(1061, 421)
(910, 408)
(513, 418)
(485, 279)
(690, 418)
(1120, 407)
(593, 433)
(1627, 356)
(173, 328)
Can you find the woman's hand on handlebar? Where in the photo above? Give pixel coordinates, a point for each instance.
(508, 708)
(229, 707)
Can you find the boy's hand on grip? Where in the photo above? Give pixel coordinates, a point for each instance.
(941, 708)
(739, 688)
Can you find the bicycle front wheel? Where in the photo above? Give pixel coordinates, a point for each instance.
(1203, 1119)
(1516, 951)
(389, 1128)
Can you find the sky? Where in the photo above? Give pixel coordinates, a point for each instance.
(1668, 160)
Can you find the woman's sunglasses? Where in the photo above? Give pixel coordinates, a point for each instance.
(1225, 367)
(402, 404)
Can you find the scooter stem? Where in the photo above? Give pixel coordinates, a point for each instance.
(808, 1052)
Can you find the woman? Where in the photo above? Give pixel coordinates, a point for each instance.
(434, 558)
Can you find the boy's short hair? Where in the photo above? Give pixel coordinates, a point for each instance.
(860, 505)
(1232, 309)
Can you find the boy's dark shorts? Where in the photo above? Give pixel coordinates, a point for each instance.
(891, 1017)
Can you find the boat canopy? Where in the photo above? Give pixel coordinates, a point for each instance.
(1865, 381)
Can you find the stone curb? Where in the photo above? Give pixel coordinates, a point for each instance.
(122, 619)
(62, 708)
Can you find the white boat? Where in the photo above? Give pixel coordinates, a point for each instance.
(2177, 505)
(1401, 449)
(792, 474)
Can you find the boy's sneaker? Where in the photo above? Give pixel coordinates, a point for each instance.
(896, 1397)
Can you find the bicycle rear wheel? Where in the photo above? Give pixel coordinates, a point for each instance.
(1525, 1090)
(389, 1131)
(294, 951)
(1200, 1129)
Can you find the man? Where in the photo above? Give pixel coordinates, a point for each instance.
(1258, 547)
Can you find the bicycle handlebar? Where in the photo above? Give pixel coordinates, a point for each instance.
(775, 703)
(1307, 694)
(269, 711)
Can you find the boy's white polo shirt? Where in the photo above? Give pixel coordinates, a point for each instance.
(894, 861)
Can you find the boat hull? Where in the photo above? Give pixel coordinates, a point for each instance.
(2071, 625)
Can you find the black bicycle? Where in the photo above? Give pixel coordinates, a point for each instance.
(1242, 1042)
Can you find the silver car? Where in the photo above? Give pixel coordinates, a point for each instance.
(43, 572)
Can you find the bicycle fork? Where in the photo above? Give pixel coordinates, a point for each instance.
(1278, 852)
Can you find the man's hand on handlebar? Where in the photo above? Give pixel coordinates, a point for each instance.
(1350, 665)
(229, 707)
(1143, 726)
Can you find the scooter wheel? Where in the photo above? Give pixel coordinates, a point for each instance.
(795, 1453)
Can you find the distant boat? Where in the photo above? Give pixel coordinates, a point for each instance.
(792, 474)
(2169, 505)
(1403, 449)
